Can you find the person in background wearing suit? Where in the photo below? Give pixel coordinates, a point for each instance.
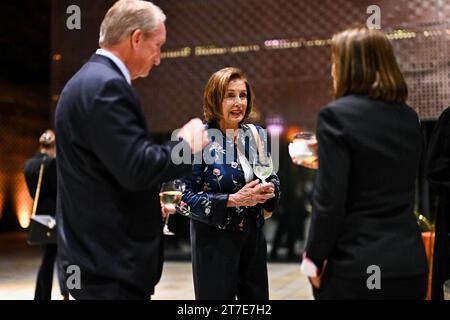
(108, 210)
(369, 149)
(46, 205)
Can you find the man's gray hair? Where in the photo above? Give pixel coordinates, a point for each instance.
(125, 16)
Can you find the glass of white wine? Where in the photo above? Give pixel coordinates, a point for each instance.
(170, 195)
(301, 151)
(263, 166)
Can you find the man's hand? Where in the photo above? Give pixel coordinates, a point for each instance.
(166, 210)
(194, 134)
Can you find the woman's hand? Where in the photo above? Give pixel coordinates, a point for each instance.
(315, 281)
(252, 194)
(311, 162)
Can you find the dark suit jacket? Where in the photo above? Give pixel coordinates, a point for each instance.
(47, 197)
(109, 217)
(438, 170)
(369, 155)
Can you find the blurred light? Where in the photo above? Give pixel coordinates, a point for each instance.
(22, 201)
(292, 131)
(282, 44)
(275, 124)
(55, 97)
(2, 194)
(401, 34)
(275, 129)
(181, 53)
(57, 57)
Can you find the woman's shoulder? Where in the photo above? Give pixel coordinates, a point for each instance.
(360, 103)
(247, 126)
(444, 117)
(348, 100)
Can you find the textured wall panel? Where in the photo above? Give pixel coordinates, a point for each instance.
(291, 77)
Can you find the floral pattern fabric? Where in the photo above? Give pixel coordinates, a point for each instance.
(207, 189)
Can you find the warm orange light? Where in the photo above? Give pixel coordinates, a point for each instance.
(2, 194)
(57, 57)
(55, 97)
(291, 131)
(23, 202)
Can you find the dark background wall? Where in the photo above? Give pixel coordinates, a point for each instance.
(25, 111)
(291, 84)
(280, 44)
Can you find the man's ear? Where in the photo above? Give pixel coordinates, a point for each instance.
(136, 37)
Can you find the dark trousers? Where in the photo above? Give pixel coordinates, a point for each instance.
(229, 264)
(334, 287)
(44, 280)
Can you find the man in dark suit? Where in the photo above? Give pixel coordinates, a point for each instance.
(108, 210)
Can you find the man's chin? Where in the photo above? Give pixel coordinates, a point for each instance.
(143, 74)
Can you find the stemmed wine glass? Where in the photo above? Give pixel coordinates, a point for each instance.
(263, 168)
(262, 165)
(170, 195)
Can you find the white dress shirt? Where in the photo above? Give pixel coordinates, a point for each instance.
(119, 63)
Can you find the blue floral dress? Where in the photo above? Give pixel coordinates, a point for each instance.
(207, 189)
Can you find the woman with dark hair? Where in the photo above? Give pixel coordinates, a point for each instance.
(364, 241)
(223, 199)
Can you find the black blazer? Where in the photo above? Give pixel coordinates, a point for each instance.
(363, 202)
(109, 170)
(438, 170)
(47, 197)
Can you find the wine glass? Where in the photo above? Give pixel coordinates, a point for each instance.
(301, 151)
(263, 165)
(170, 195)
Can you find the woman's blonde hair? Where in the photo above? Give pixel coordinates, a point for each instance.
(215, 90)
(126, 16)
(365, 63)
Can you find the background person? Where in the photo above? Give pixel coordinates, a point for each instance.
(46, 205)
